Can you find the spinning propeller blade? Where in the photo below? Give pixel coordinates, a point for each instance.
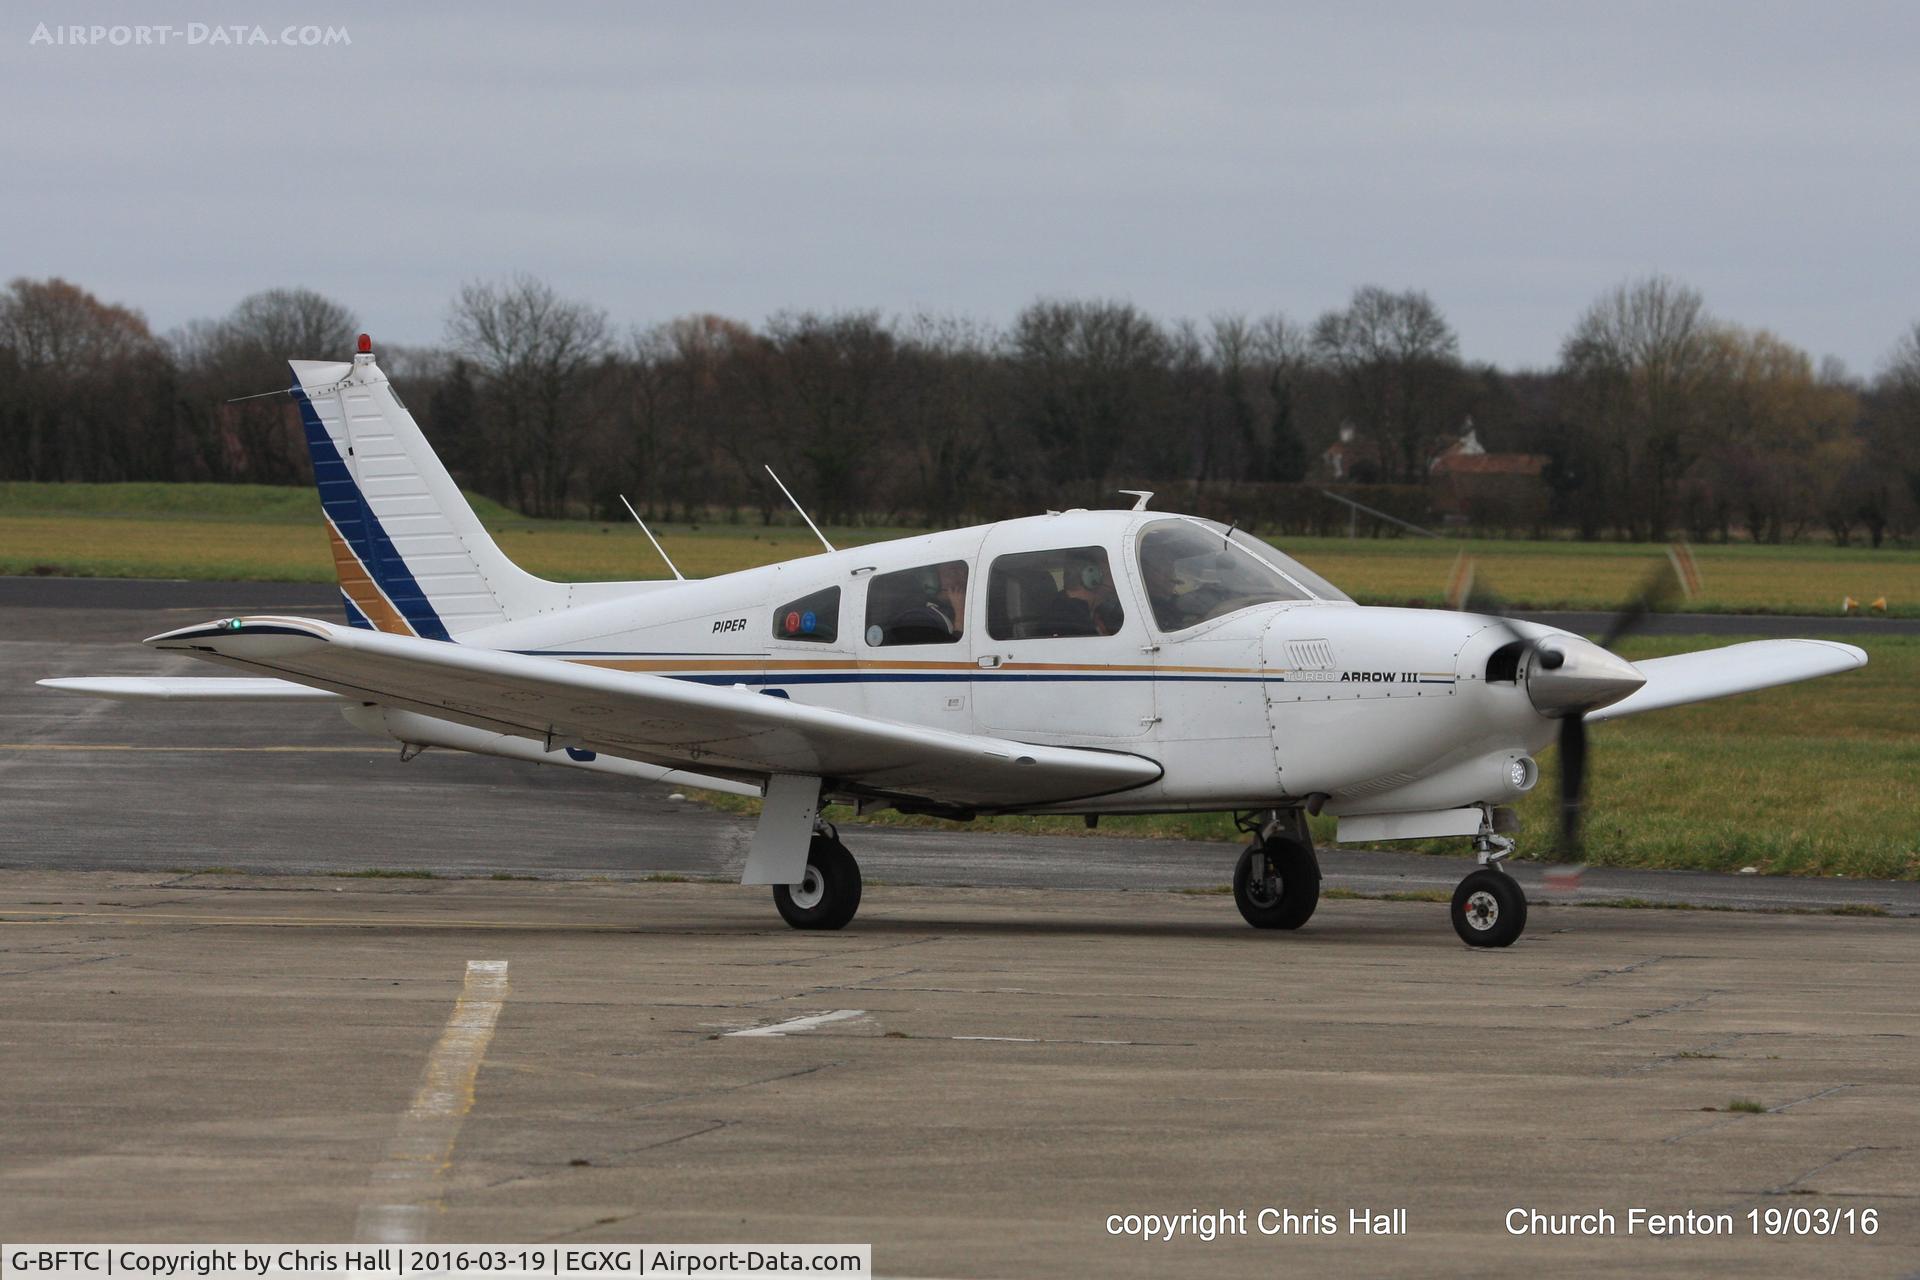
(1572, 681)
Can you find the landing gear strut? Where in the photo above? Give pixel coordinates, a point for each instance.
(828, 893)
(1276, 883)
(1489, 907)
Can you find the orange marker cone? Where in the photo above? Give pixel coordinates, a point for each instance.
(1880, 605)
(1848, 604)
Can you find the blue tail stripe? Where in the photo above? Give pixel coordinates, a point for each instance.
(347, 508)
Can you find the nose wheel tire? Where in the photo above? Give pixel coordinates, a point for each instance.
(1489, 909)
(828, 894)
(1276, 884)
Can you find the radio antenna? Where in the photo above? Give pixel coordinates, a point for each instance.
(802, 510)
(650, 538)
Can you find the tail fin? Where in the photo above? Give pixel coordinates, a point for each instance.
(411, 555)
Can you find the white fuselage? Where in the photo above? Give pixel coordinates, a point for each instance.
(1376, 710)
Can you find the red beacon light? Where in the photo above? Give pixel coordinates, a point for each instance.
(366, 345)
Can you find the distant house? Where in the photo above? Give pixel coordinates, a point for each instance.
(1351, 459)
(1472, 486)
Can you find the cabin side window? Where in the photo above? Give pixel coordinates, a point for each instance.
(1035, 595)
(815, 617)
(925, 605)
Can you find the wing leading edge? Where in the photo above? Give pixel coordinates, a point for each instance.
(736, 731)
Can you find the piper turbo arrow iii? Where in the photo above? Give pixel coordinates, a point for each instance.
(1078, 662)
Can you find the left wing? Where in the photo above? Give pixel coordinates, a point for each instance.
(1734, 668)
(730, 732)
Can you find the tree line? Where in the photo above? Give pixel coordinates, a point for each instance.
(1658, 419)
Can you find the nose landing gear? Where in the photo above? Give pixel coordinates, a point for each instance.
(1489, 907)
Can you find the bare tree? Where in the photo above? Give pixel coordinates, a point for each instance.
(83, 387)
(1640, 360)
(1398, 361)
(1092, 379)
(949, 406)
(246, 352)
(536, 353)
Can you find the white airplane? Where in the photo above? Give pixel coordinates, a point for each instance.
(1079, 662)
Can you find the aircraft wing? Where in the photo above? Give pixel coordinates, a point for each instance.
(726, 731)
(1735, 668)
(189, 689)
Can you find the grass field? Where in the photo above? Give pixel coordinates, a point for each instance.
(259, 532)
(1819, 778)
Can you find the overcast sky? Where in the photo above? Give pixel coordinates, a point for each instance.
(658, 159)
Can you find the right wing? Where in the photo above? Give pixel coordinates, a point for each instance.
(1731, 669)
(730, 732)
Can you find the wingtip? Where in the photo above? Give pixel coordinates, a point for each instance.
(205, 635)
(1852, 651)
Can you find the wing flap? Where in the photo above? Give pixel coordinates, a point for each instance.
(733, 731)
(1734, 668)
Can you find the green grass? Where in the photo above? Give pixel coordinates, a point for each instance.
(251, 503)
(259, 532)
(1747, 1105)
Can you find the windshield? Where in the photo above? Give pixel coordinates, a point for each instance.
(1316, 586)
(1194, 573)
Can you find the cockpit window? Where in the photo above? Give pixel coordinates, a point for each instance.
(1316, 586)
(1196, 572)
(927, 605)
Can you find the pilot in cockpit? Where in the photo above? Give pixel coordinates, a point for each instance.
(951, 601)
(1088, 598)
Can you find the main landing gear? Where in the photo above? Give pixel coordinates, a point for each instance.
(1276, 883)
(1489, 907)
(828, 893)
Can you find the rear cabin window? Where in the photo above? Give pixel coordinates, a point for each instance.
(815, 617)
(927, 605)
(1038, 595)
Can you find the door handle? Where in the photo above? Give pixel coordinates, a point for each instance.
(989, 660)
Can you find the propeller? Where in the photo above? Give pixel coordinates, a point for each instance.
(1565, 682)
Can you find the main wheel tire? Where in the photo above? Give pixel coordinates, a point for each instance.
(1489, 909)
(828, 894)
(1284, 899)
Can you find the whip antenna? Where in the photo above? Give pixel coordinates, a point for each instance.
(650, 538)
(802, 510)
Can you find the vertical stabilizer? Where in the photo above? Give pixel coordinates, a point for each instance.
(412, 557)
